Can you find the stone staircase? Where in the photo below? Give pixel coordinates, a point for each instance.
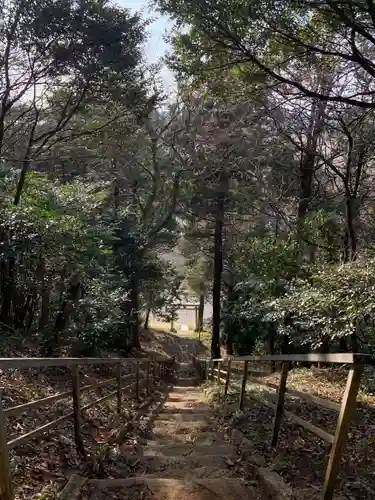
(186, 459)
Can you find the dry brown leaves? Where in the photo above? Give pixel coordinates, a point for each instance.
(301, 457)
(51, 459)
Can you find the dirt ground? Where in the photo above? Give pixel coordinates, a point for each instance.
(301, 457)
(43, 464)
(182, 345)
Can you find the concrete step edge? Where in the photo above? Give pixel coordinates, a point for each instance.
(132, 481)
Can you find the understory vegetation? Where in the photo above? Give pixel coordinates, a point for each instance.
(258, 171)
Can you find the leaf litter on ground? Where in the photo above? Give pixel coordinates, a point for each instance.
(301, 457)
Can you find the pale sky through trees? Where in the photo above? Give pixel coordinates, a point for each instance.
(156, 46)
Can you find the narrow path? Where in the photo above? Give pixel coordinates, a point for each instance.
(185, 459)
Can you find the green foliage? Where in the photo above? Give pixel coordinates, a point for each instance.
(54, 235)
(161, 286)
(263, 42)
(335, 301)
(316, 303)
(102, 310)
(270, 259)
(274, 187)
(171, 296)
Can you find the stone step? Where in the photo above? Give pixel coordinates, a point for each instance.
(175, 489)
(180, 399)
(188, 449)
(183, 398)
(206, 438)
(204, 472)
(167, 427)
(187, 383)
(187, 390)
(175, 466)
(183, 416)
(184, 408)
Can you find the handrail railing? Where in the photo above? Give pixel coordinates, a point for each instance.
(164, 364)
(210, 368)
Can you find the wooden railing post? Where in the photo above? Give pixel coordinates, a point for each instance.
(347, 409)
(280, 402)
(148, 377)
(243, 388)
(227, 379)
(211, 370)
(119, 388)
(137, 381)
(77, 409)
(218, 373)
(5, 474)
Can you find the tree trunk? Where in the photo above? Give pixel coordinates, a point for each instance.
(145, 326)
(231, 325)
(306, 178)
(343, 344)
(116, 195)
(350, 225)
(63, 317)
(45, 298)
(354, 342)
(44, 308)
(315, 128)
(285, 345)
(21, 306)
(26, 162)
(8, 288)
(324, 349)
(271, 348)
(218, 265)
(31, 315)
(307, 164)
(134, 308)
(345, 247)
(200, 313)
(229, 346)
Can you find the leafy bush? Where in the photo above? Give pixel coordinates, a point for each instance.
(299, 308)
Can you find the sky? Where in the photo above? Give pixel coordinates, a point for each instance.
(156, 46)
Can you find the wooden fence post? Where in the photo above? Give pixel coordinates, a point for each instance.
(137, 380)
(148, 378)
(227, 379)
(5, 475)
(211, 370)
(280, 402)
(77, 409)
(348, 405)
(119, 388)
(218, 373)
(243, 388)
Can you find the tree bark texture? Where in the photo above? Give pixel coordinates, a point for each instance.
(218, 264)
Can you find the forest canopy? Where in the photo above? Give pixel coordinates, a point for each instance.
(259, 171)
